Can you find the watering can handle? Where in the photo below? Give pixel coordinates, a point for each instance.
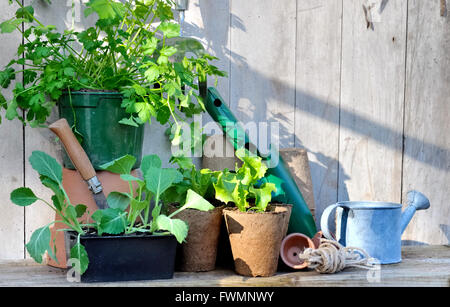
(324, 221)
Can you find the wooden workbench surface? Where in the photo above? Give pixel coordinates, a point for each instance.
(421, 266)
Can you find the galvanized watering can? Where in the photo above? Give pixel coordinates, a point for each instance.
(376, 227)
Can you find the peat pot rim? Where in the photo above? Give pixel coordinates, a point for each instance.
(176, 207)
(273, 211)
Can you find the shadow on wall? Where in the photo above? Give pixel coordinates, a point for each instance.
(437, 157)
(446, 230)
(218, 43)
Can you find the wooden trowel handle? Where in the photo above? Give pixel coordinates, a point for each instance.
(73, 148)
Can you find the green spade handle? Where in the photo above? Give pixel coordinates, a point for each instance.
(301, 219)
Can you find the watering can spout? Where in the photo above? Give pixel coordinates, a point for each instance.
(416, 201)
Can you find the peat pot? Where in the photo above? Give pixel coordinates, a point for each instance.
(127, 257)
(199, 252)
(255, 238)
(96, 116)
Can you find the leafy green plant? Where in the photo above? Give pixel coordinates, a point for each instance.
(199, 181)
(128, 213)
(50, 174)
(243, 187)
(123, 52)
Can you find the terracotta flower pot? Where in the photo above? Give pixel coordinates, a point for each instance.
(199, 252)
(256, 238)
(293, 245)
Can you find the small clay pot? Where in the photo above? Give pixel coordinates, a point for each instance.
(255, 239)
(293, 245)
(199, 252)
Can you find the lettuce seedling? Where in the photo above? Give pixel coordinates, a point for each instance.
(243, 187)
(199, 181)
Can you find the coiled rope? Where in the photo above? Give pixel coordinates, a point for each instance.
(331, 257)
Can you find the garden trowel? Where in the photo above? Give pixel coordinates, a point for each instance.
(80, 160)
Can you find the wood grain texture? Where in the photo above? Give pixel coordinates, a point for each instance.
(426, 165)
(318, 68)
(11, 157)
(372, 96)
(336, 88)
(209, 22)
(263, 64)
(58, 13)
(422, 266)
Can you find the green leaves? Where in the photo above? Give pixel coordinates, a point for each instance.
(150, 46)
(118, 53)
(46, 165)
(80, 210)
(194, 201)
(263, 196)
(6, 76)
(117, 200)
(39, 244)
(176, 227)
(152, 73)
(106, 9)
(10, 25)
(26, 12)
(253, 168)
(160, 179)
(150, 161)
(110, 220)
(79, 253)
(23, 197)
(50, 174)
(241, 187)
(169, 29)
(122, 165)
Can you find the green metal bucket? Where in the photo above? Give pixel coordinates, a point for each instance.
(97, 116)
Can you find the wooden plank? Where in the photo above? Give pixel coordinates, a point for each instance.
(59, 13)
(318, 67)
(425, 266)
(427, 111)
(209, 22)
(262, 84)
(372, 95)
(11, 160)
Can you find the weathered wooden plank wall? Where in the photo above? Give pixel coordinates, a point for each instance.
(12, 218)
(318, 83)
(371, 106)
(42, 139)
(426, 162)
(262, 74)
(372, 88)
